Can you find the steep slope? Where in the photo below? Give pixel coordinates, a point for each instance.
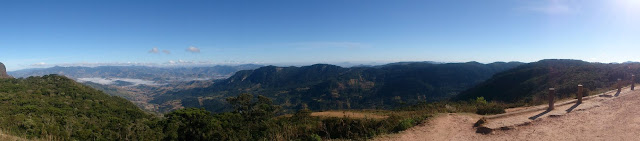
(3, 71)
(324, 87)
(58, 107)
(529, 83)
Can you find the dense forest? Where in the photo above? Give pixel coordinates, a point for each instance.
(326, 87)
(528, 83)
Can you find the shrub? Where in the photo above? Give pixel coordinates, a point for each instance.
(315, 137)
(490, 109)
(404, 125)
(481, 100)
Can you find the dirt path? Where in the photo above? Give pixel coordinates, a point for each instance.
(614, 119)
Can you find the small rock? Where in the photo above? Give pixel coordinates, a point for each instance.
(506, 128)
(480, 122)
(484, 130)
(555, 115)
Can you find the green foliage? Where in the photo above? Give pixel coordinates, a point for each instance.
(251, 120)
(405, 124)
(481, 100)
(315, 137)
(56, 106)
(190, 124)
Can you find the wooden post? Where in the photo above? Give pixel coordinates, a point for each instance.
(579, 94)
(619, 85)
(633, 82)
(552, 95)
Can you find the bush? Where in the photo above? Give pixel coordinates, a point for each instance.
(481, 100)
(404, 125)
(490, 110)
(315, 137)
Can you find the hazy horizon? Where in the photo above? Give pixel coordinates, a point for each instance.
(341, 64)
(166, 33)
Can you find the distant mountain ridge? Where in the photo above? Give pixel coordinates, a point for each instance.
(157, 74)
(324, 87)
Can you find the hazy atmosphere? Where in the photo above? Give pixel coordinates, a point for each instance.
(165, 33)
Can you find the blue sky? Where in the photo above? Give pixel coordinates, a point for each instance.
(90, 33)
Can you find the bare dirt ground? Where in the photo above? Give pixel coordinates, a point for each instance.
(5, 137)
(614, 119)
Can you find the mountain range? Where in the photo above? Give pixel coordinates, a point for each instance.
(158, 75)
(326, 87)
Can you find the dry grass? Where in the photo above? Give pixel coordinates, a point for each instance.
(6, 137)
(349, 114)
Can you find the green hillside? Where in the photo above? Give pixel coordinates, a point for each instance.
(56, 107)
(529, 83)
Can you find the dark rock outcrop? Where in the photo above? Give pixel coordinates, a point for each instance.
(3, 72)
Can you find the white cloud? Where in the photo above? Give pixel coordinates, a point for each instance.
(89, 64)
(108, 81)
(154, 50)
(193, 49)
(39, 64)
(166, 51)
(179, 62)
(170, 63)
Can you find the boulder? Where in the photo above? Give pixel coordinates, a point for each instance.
(3, 71)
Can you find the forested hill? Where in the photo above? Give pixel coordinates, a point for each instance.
(530, 82)
(324, 87)
(58, 108)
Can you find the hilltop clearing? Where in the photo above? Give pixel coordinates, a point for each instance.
(613, 118)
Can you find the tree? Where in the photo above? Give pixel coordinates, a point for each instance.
(191, 124)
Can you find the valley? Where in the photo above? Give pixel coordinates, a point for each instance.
(140, 84)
